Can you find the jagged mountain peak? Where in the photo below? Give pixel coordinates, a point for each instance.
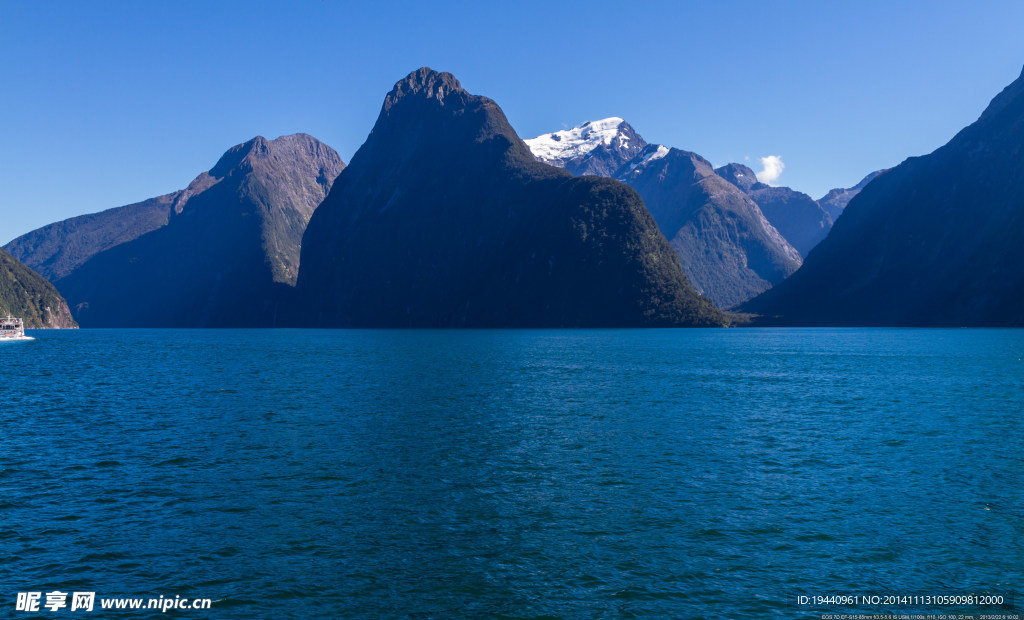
(259, 148)
(580, 140)
(739, 175)
(426, 83)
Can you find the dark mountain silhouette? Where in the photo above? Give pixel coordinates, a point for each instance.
(27, 295)
(444, 218)
(933, 241)
(229, 250)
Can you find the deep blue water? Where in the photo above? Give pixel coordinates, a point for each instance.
(568, 474)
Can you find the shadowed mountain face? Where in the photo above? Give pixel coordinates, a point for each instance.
(444, 218)
(229, 250)
(933, 241)
(58, 249)
(800, 219)
(27, 295)
(595, 147)
(836, 200)
(728, 249)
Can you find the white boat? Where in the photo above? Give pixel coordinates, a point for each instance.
(12, 327)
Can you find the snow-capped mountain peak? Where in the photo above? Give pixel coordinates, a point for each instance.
(595, 147)
(571, 143)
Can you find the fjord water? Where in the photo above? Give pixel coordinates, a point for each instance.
(576, 473)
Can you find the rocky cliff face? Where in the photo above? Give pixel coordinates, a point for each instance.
(228, 252)
(933, 241)
(27, 295)
(445, 218)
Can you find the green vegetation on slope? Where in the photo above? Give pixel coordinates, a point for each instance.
(27, 295)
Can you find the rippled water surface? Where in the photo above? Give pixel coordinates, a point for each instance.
(572, 474)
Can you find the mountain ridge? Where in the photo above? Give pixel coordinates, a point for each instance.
(797, 216)
(728, 249)
(228, 252)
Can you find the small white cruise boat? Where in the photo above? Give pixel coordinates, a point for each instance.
(11, 327)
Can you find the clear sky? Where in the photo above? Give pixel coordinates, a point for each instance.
(107, 103)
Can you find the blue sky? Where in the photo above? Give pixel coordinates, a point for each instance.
(107, 103)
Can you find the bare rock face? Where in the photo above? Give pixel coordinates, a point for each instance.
(933, 241)
(60, 318)
(226, 254)
(445, 219)
(27, 295)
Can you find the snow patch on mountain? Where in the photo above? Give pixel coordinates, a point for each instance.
(653, 155)
(569, 143)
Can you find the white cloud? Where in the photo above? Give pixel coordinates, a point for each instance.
(773, 167)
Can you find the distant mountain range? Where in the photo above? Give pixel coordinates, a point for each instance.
(727, 247)
(800, 219)
(933, 241)
(445, 219)
(736, 236)
(729, 250)
(27, 295)
(221, 252)
(836, 200)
